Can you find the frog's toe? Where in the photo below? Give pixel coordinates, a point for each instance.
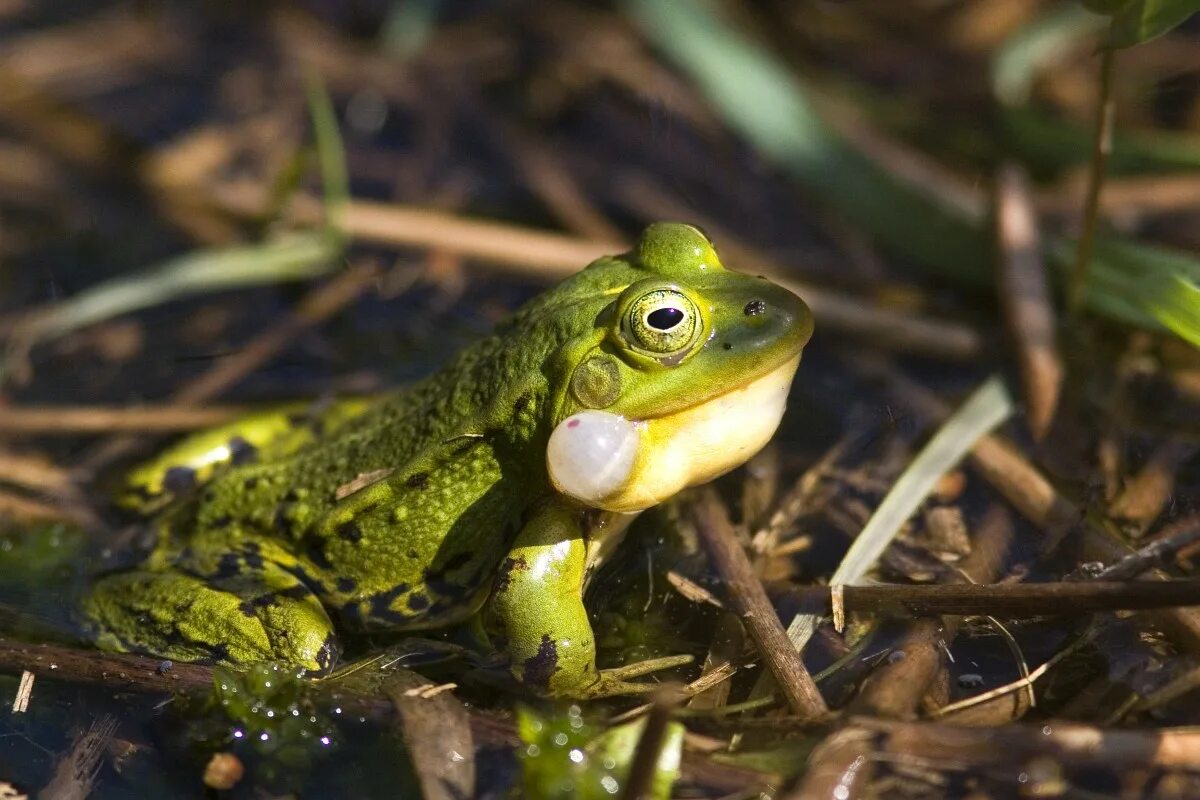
(616, 682)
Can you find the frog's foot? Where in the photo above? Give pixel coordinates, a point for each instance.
(616, 682)
(176, 615)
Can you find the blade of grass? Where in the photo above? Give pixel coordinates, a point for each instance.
(297, 257)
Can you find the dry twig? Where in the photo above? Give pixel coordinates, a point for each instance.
(745, 594)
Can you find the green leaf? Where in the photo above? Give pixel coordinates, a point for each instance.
(1137, 21)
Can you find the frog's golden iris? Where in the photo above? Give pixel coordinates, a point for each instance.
(472, 492)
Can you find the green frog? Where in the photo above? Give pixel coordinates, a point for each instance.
(489, 491)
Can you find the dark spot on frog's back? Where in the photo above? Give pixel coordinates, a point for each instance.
(418, 480)
(523, 402)
(418, 602)
(178, 480)
(346, 585)
(228, 567)
(539, 669)
(241, 451)
(350, 532)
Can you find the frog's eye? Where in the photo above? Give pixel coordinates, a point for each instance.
(662, 321)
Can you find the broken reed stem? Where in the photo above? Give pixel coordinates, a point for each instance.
(1025, 297)
(1101, 147)
(745, 595)
(317, 306)
(72, 420)
(1003, 600)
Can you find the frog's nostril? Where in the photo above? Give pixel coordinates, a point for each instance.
(754, 308)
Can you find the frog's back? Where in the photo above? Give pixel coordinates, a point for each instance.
(495, 390)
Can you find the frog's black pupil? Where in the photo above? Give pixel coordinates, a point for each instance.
(664, 319)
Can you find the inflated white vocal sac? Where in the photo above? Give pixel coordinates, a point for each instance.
(591, 455)
(607, 461)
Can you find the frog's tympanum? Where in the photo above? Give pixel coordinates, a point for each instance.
(494, 487)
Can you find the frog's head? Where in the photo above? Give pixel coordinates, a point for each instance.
(682, 376)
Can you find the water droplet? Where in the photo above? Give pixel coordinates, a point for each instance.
(610, 784)
(576, 755)
(560, 739)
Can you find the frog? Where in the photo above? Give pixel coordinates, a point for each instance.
(489, 492)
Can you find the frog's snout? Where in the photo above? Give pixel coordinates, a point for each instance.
(770, 320)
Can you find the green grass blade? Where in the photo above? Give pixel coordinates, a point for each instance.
(331, 153)
(290, 258)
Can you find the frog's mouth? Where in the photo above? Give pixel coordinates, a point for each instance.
(608, 462)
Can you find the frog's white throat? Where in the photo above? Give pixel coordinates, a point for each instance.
(609, 462)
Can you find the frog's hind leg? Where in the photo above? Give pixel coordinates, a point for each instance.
(268, 434)
(264, 615)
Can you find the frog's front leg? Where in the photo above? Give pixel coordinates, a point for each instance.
(265, 614)
(538, 596)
